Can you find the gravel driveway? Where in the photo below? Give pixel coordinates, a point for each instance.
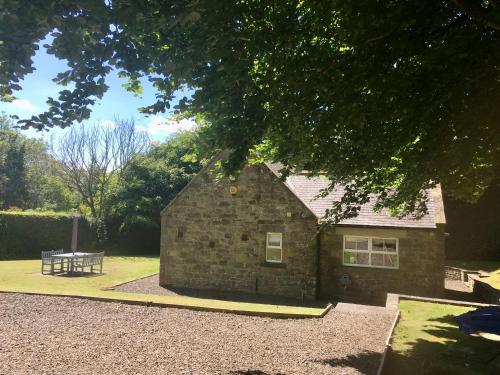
(151, 285)
(57, 335)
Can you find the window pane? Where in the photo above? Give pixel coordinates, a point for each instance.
(362, 243)
(273, 255)
(378, 260)
(377, 244)
(390, 245)
(274, 239)
(356, 243)
(383, 245)
(349, 244)
(351, 257)
(385, 260)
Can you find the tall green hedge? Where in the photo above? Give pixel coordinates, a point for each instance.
(138, 240)
(23, 235)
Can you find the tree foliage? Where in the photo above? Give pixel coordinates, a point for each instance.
(387, 97)
(93, 158)
(29, 175)
(151, 180)
(13, 184)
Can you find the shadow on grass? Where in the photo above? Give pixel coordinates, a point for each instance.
(78, 274)
(457, 353)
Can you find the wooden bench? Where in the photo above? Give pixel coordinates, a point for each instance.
(91, 261)
(47, 260)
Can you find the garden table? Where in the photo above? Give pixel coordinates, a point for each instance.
(70, 259)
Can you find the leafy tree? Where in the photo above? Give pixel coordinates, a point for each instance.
(388, 97)
(150, 181)
(93, 158)
(29, 175)
(4, 146)
(15, 187)
(45, 185)
(13, 184)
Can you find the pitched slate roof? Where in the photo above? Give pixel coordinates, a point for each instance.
(307, 190)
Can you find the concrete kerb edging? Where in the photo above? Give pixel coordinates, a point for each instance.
(443, 301)
(322, 315)
(388, 343)
(267, 314)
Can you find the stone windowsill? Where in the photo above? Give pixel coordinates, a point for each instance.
(273, 265)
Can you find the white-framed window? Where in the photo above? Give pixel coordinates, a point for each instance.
(374, 252)
(274, 247)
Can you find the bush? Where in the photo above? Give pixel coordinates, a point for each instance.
(138, 239)
(24, 234)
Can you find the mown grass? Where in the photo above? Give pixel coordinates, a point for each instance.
(25, 276)
(427, 341)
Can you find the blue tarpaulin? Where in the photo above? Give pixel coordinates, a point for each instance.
(484, 319)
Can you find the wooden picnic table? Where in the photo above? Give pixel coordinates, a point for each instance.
(70, 259)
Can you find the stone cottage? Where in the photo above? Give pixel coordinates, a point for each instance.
(262, 234)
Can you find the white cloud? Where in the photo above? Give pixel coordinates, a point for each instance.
(24, 104)
(159, 125)
(108, 124)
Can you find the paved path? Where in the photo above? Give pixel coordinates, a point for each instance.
(457, 285)
(57, 335)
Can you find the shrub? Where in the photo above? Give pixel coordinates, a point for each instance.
(24, 234)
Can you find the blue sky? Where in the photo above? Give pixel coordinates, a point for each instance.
(117, 102)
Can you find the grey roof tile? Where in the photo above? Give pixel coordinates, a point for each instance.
(307, 189)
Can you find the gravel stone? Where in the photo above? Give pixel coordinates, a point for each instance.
(146, 285)
(58, 335)
(151, 285)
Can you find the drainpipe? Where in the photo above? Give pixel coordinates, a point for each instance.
(318, 263)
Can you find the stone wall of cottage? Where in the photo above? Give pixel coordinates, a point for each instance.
(420, 272)
(214, 239)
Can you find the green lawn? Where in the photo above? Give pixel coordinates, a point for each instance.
(25, 276)
(493, 268)
(427, 341)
